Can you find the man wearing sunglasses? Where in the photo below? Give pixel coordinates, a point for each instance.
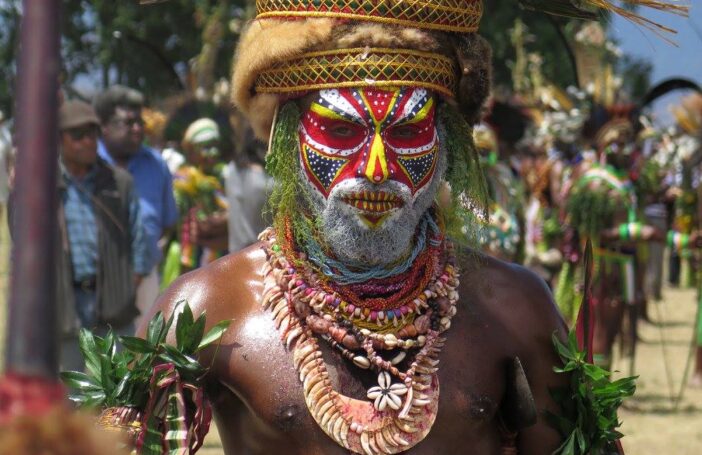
(103, 250)
(122, 145)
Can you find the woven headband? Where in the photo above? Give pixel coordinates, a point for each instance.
(446, 15)
(363, 67)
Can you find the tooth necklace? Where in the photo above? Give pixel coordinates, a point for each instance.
(400, 411)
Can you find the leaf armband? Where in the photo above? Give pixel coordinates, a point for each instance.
(149, 389)
(588, 420)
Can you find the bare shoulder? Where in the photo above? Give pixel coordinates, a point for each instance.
(227, 288)
(514, 295)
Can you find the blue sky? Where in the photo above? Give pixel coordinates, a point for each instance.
(683, 60)
(669, 61)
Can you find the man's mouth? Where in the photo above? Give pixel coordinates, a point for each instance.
(373, 202)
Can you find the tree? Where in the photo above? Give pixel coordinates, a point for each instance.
(547, 40)
(636, 75)
(550, 38)
(151, 47)
(148, 47)
(9, 36)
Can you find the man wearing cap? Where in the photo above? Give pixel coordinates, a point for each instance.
(202, 230)
(102, 248)
(122, 144)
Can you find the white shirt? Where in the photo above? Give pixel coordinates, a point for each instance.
(247, 192)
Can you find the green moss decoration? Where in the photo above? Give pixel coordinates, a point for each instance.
(469, 191)
(290, 196)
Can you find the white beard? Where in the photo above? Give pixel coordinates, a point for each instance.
(353, 241)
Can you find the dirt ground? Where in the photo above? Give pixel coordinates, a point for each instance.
(651, 424)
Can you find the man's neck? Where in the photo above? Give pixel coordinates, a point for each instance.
(78, 170)
(121, 159)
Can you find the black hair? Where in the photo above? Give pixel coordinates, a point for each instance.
(107, 102)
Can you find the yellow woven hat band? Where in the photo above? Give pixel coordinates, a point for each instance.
(362, 67)
(446, 15)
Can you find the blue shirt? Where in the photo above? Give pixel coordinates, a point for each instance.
(154, 186)
(81, 227)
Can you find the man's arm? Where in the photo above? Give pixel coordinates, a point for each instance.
(141, 256)
(538, 320)
(169, 216)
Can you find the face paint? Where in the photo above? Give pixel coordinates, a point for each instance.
(372, 135)
(373, 162)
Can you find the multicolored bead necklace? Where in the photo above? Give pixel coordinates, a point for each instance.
(398, 415)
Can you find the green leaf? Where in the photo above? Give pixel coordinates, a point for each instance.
(136, 344)
(214, 334)
(176, 311)
(196, 335)
(153, 332)
(79, 381)
(108, 383)
(595, 373)
(184, 327)
(573, 343)
(88, 347)
(562, 349)
(108, 345)
(121, 386)
(94, 399)
(180, 360)
(568, 447)
(582, 443)
(588, 418)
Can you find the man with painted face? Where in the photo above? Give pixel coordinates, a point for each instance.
(362, 322)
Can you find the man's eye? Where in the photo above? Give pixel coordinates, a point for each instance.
(342, 130)
(404, 132)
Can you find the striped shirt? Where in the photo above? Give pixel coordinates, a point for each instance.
(81, 227)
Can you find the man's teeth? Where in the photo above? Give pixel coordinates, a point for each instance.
(373, 201)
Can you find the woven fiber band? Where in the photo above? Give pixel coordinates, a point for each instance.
(361, 67)
(448, 15)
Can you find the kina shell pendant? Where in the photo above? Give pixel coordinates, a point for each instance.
(360, 426)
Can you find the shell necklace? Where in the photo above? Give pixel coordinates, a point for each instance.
(397, 415)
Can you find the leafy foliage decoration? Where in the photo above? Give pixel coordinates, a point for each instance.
(592, 207)
(121, 377)
(588, 420)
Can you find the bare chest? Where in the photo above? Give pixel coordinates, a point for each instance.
(258, 371)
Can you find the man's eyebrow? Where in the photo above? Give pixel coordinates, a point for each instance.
(344, 110)
(410, 117)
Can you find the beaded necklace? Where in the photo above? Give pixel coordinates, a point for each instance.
(397, 415)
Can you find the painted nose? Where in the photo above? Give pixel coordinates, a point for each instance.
(376, 169)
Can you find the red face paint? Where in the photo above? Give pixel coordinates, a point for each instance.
(371, 134)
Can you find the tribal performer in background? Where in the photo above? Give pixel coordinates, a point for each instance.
(362, 323)
(503, 236)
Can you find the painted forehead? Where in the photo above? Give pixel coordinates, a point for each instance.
(370, 106)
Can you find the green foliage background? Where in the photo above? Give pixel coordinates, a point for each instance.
(149, 47)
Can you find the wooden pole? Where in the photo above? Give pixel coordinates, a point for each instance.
(32, 344)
